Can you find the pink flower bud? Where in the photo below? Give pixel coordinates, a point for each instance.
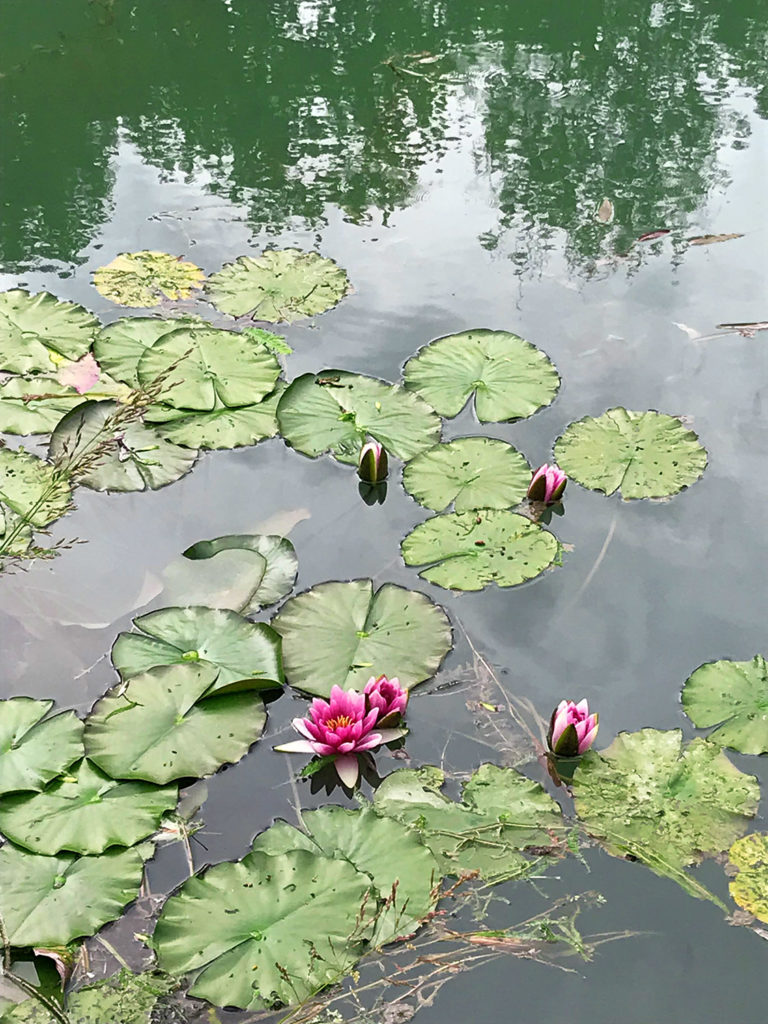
(572, 729)
(374, 464)
(547, 484)
(388, 696)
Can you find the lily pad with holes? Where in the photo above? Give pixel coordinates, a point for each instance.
(732, 695)
(509, 377)
(246, 653)
(501, 814)
(49, 901)
(335, 411)
(280, 285)
(34, 405)
(37, 332)
(85, 811)
(202, 367)
(648, 796)
(34, 749)
(163, 725)
(31, 489)
(641, 454)
(264, 931)
(471, 473)
(120, 345)
(221, 427)
(469, 550)
(341, 634)
(750, 886)
(117, 455)
(147, 278)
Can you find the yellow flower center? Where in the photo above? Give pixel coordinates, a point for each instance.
(338, 723)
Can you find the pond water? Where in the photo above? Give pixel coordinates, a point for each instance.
(451, 157)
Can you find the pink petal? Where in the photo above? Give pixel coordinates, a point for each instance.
(588, 740)
(298, 747)
(369, 742)
(347, 768)
(583, 707)
(300, 725)
(81, 375)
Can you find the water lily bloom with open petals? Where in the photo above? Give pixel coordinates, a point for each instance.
(572, 729)
(547, 484)
(374, 463)
(340, 728)
(388, 696)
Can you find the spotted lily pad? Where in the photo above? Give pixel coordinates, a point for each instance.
(280, 285)
(471, 472)
(34, 748)
(509, 377)
(147, 278)
(220, 427)
(37, 332)
(750, 886)
(734, 696)
(31, 489)
(642, 454)
(665, 804)
(341, 634)
(468, 550)
(335, 411)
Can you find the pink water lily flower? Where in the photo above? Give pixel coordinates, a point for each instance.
(81, 375)
(340, 728)
(572, 729)
(388, 696)
(547, 484)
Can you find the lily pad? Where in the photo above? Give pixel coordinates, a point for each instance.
(341, 634)
(734, 696)
(500, 815)
(38, 331)
(147, 278)
(49, 901)
(161, 726)
(85, 811)
(34, 405)
(750, 886)
(35, 749)
(642, 454)
(468, 550)
(471, 472)
(120, 345)
(31, 489)
(221, 427)
(246, 653)
(336, 412)
(509, 377)
(15, 535)
(202, 367)
(663, 803)
(265, 931)
(117, 454)
(280, 285)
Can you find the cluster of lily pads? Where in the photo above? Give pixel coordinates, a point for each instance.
(84, 802)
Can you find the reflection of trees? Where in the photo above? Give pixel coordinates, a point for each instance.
(289, 106)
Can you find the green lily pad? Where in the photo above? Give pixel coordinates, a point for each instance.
(147, 278)
(117, 454)
(642, 454)
(750, 886)
(246, 653)
(49, 901)
(500, 815)
(667, 805)
(341, 634)
(471, 472)
(85, 811)
(280, 285)
(468, 550)
(37, 332)
(336, 412)
(268, 573)
(15, 535)
(264, 931)
(201, 367)
(509, 377)
(120, 345)
(35, 749)
(221, 427)
(161, 726)
(31, 489)
(734, 696)
(34, 405)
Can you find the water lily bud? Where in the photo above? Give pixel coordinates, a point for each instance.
(572, 729)
(374, 464)
(547, 484)
(388, 696)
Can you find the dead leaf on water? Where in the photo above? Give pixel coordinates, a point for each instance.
(711, 239)
(605, 212)
(747, 330)
(650, 236)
